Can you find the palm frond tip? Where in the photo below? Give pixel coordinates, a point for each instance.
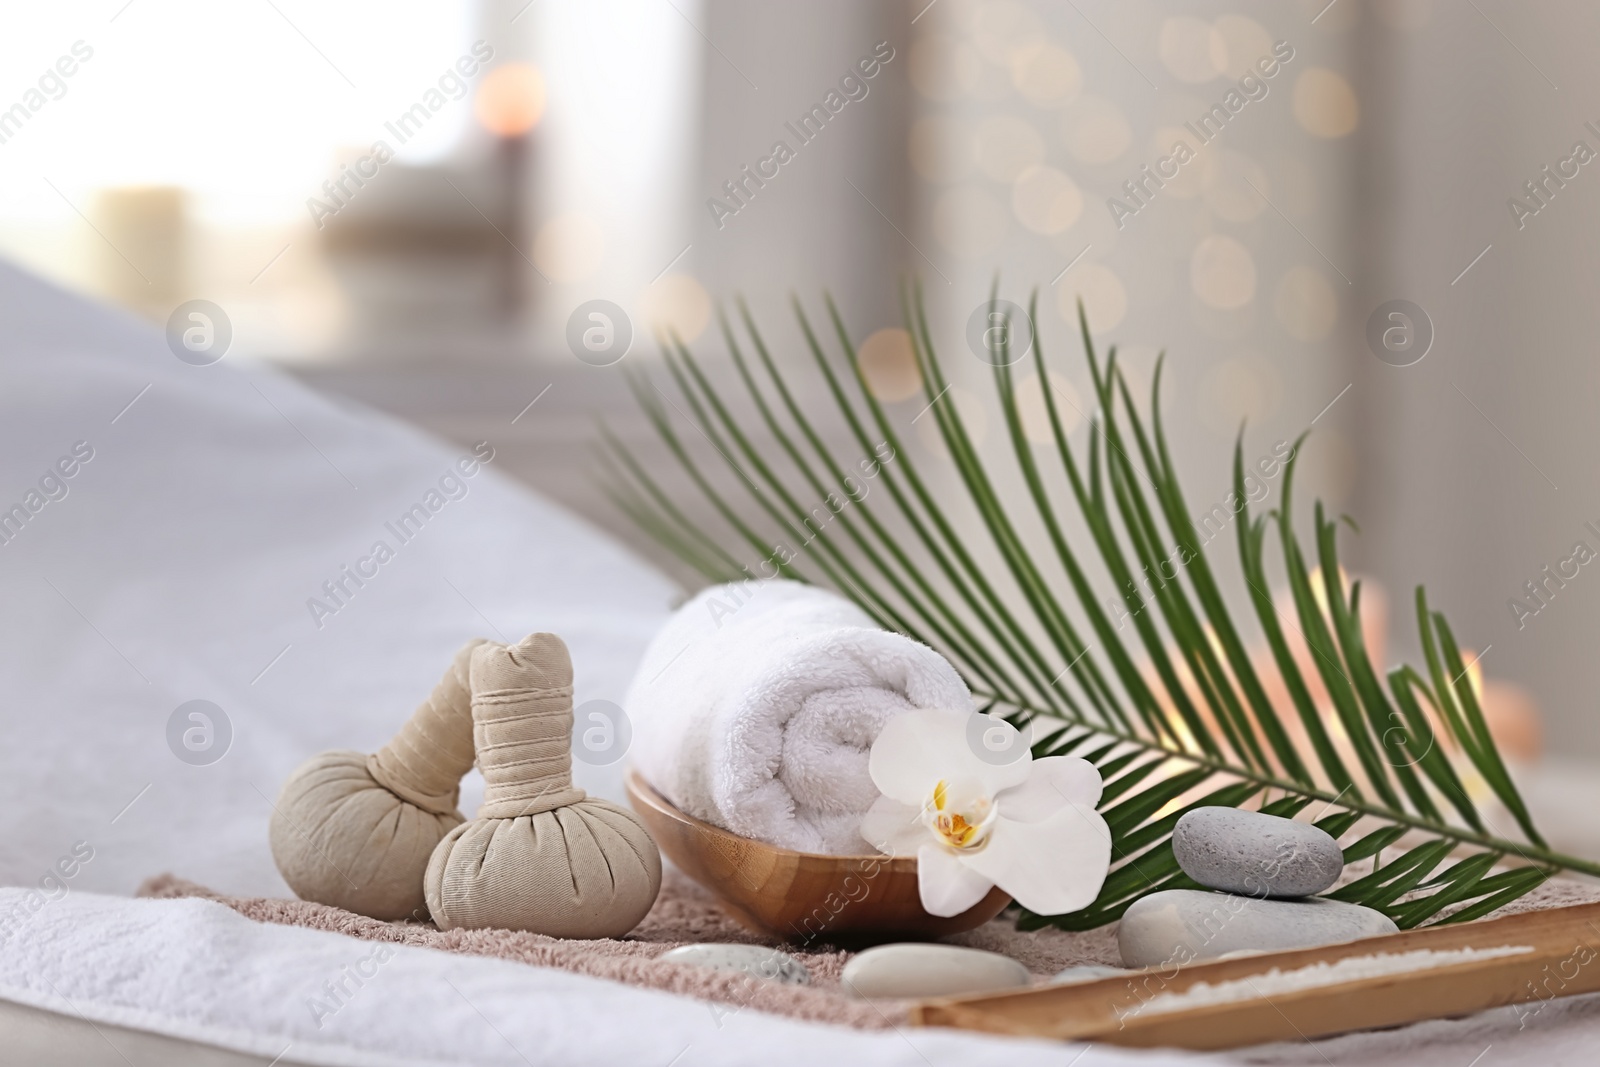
(1196, 724)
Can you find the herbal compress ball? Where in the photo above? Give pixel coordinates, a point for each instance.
(355, 831)
(541, 855)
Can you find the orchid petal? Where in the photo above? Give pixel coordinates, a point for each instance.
(894, 828)
(946, 885)
(1050, 867)
(1052, 783)
(918, 749)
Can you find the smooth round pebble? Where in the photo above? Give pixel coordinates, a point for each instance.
(914, 970)
(757, 961)
(1255, 854)
(1086, 972)
(1183, 925)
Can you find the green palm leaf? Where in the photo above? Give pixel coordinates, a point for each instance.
(1195, 727)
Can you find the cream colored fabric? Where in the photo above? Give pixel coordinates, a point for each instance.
(426, 759)
(540, 856)
(355, 831)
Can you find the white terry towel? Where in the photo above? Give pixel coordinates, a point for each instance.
(756, 706)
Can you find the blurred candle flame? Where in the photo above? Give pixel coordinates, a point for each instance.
(510, 100)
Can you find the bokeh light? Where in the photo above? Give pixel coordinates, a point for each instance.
(1095, 129)
(510, 99)
(1045, 74)
(679, 304)
(1034, 413)
(1324, 103)
(889, 365)
(1105, 298)
(1045, 200)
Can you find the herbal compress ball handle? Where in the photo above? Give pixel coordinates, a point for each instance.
(355, 831)
(540, 855)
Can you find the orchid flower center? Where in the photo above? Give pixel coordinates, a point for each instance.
(960, 816)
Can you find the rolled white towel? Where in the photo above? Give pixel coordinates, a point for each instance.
(757, 704)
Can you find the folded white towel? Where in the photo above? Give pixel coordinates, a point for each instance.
(756, 706)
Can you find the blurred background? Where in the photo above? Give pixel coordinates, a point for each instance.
(410, 204)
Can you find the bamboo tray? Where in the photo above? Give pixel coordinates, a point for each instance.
(1565, 960)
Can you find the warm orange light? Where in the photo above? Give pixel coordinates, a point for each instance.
(1319, 590)
(510, 99)
(1475, 677)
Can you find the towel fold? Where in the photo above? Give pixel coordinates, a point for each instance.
(756, 706)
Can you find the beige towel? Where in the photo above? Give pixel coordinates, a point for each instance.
(683, 914)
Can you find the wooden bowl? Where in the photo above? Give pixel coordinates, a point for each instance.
(801, 896)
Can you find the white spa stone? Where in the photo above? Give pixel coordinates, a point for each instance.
(1178, 926)
(1085, 972)
(1255, 854)
(757, 961)
(913, 970)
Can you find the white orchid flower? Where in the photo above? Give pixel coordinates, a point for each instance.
(967, 798)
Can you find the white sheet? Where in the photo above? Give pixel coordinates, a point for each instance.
(181, 974)
(179, 566)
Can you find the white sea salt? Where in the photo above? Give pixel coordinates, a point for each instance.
(1350, 969)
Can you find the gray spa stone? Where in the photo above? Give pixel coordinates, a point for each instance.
(757, 961)
(1085, 972)
(1255, 854)
(911, 970)
(1179, 926)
